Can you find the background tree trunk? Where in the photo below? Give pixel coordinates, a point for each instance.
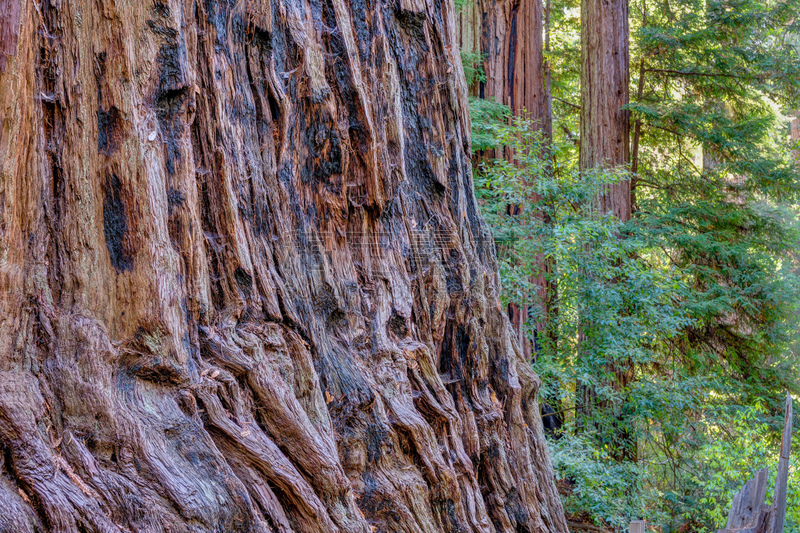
(605, 124)
(508, 33)
(605, 143)
(245, 284)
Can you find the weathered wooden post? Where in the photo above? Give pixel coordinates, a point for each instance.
(749, 513)
(783, 469)
(637, 526)
(748, 509)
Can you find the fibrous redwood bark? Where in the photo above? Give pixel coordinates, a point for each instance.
(245, 285)
(605, 122)
(508, 33)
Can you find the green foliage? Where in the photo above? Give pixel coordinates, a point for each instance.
(473, 67)
(487, 116)
(597, 486)
(460, 4)
(693, 298)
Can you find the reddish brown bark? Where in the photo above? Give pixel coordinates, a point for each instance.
(509, 35)
(245, 284)
(604, 94)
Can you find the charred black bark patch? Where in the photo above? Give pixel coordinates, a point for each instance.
(170, 107)
(377, 439)
(516, 511)
(260, 38)
(413, 24)
(175, 198)
(162, 30)
(364, 35)
(449, 363)
(160, 9)
(453, 275)
(324, 148)
(453, 524)
(398, 325)
(512, 52)
(218, 11)
(274, 107)
(115, 225)
(172, 75)
(109, 130)
(374, 502)
(171, 99)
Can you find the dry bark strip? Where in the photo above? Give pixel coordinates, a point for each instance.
(244, 282)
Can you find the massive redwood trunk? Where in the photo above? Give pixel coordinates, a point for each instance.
(245, 285)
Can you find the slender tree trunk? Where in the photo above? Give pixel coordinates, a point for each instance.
(605, 138)
(245, 284)
(509, 35)
(551, 294)
(637, 137)
(604, 93)
(637, 127)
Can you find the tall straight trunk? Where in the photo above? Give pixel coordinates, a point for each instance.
(605, 138)
(509, 35)
(551, 293)
(511, 39)
(605, 124)
(245, 283)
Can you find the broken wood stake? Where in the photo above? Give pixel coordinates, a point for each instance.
(783, 469)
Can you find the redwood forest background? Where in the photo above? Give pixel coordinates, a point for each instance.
(638, 168)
